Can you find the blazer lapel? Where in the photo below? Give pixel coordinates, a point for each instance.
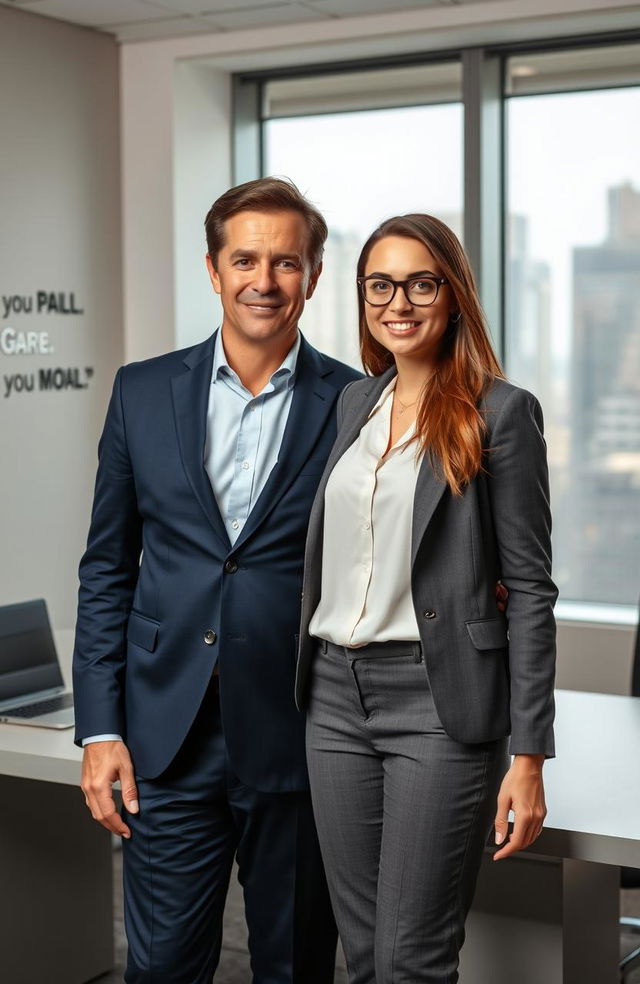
(429, 489)
(312, 403)
(190, 391)
(349, 430)
(352, 425)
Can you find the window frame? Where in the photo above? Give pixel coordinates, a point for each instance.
(484, 100)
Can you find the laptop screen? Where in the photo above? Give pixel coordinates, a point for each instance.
(28, 658)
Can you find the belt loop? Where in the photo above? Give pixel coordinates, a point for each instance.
(323, 645)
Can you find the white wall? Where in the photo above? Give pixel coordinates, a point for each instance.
(60, 232)
(202, 149)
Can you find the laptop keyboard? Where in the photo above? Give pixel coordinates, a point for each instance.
(41, 707)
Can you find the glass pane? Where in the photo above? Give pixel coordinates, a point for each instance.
(360, 168)
(412, 85)
(573, 322)
(596, 67)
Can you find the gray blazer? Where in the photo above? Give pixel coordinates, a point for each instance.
(490, 676)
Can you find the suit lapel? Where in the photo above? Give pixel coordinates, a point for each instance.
(312, 403)
(352, 425)
(429, 489)
(190, 391)
(349, 430)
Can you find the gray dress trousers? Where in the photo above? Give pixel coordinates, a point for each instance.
(403, 812)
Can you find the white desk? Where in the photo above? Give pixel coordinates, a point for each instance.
(550, 915)
(56, 907)
(547, 916)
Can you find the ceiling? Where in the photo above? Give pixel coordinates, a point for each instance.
(140, 20)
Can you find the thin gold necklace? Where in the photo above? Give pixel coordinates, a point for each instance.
(404, 406)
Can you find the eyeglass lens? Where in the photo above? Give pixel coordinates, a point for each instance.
(422, 291)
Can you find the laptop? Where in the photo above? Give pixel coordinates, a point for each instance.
(32, 690)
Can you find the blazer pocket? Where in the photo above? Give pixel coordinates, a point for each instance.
(142, 631)
(488, 633)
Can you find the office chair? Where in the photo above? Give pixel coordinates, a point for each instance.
(630, 877)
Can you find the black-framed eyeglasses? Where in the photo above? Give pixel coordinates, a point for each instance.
(419, 291)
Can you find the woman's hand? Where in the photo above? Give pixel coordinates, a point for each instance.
(522, 791)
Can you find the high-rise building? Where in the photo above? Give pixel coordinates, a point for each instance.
(605, 409)
(529, 352)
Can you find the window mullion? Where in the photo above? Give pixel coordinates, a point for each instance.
(246, 146)
(483, 181)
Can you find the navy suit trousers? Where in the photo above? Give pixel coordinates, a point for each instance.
(193, 820)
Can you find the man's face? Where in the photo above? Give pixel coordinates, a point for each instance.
(263, 276)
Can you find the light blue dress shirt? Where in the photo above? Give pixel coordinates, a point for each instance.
(244, 434)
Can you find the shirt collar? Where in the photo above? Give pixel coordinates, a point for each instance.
(389, 388)
(284, 374)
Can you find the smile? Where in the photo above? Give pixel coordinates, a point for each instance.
(401, 326)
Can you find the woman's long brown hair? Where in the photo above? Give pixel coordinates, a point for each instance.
(449, 425)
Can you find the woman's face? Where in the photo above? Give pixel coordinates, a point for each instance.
(408, 329)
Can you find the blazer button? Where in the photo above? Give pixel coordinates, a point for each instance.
(231, 566)
(210, 637)
(429, 614)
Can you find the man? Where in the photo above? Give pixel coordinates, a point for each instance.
(189, 607)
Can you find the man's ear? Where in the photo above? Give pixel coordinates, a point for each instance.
(213, 274)
(313, 280)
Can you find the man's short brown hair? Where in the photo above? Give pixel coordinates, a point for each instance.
(265, 195)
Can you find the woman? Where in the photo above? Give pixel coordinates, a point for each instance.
(436, 489)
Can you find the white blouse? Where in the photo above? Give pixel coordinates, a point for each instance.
(366, 559)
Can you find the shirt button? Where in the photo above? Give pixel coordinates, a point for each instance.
(210, 637)
(235, 524)
(245, 465)
(367, 526)
(231, 566)
(429, 614)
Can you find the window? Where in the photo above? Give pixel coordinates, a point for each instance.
(573, 303)
(361, 165)
(367, 144)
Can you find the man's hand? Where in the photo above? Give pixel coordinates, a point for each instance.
(502, 596)
(103, 763)
(522, 791)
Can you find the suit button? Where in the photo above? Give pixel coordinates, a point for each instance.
(210, 637)
(429, 614)
(231, 566)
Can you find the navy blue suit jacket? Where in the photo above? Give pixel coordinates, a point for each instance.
(159, 573)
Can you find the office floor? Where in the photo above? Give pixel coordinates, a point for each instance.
(234, 964)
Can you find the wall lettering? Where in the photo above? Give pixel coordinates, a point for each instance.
(51, 380)
(14, 342)
(46, 302)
